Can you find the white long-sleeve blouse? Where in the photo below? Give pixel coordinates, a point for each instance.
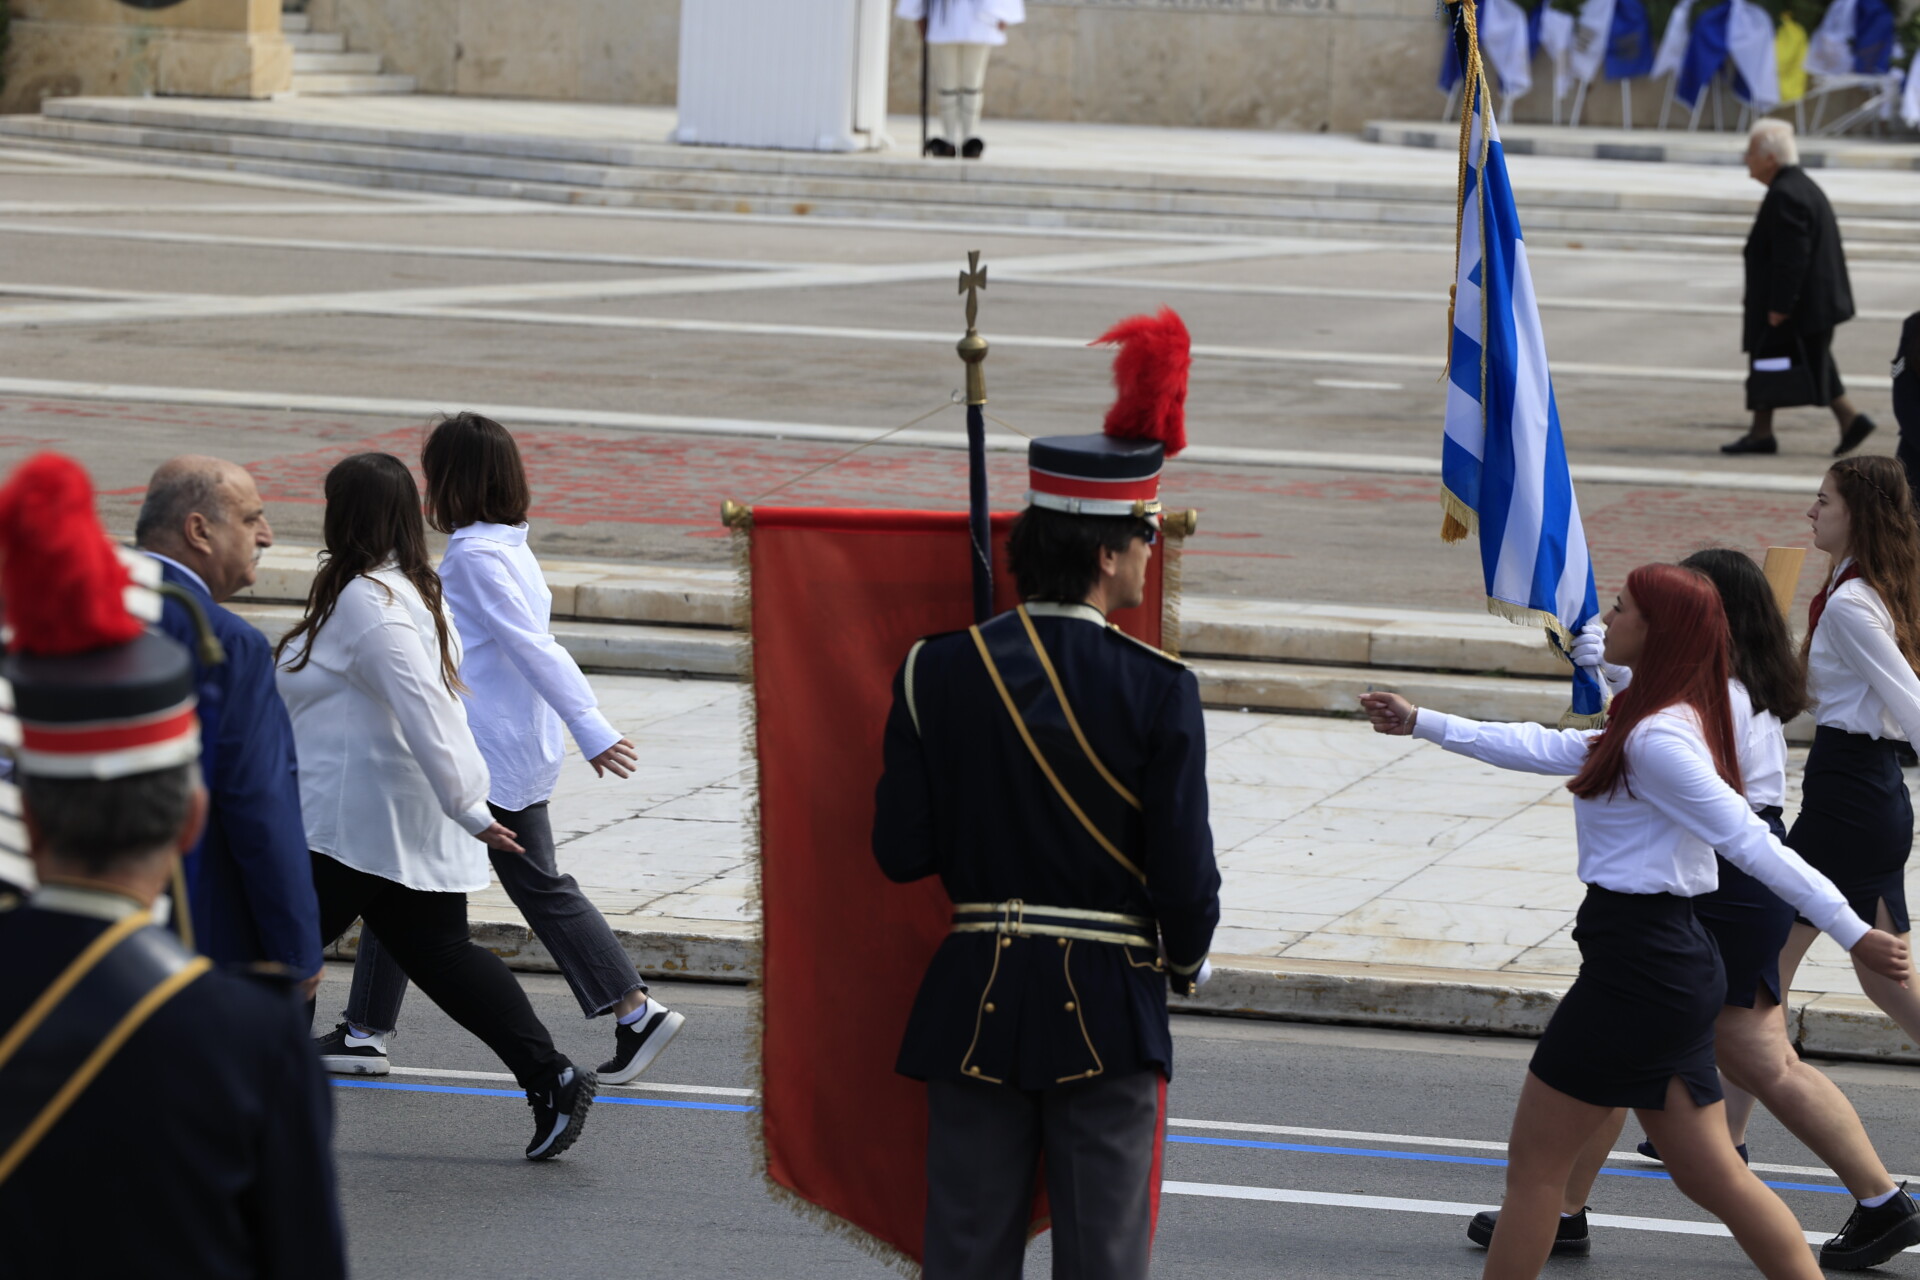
(521, 685)
(391, 782)
(1856, 675)
(1658, 832)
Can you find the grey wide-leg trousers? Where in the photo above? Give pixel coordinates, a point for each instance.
(984, 1143)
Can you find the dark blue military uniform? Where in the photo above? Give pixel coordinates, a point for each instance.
(962, 798)
(203, 1150)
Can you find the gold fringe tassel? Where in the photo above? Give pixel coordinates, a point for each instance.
(1457, 519)
(1173, 545)
(1598, 720)
(825, 1219)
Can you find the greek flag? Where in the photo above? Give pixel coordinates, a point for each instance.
(1503, 461)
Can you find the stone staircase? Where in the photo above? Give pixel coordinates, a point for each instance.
(444, 146)
(322, 64)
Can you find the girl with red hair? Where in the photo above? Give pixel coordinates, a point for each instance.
(1656, 794)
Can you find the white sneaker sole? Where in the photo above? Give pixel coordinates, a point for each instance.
(669, 1028)
(343, 1065)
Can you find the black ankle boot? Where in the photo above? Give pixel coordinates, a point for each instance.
(939, 147)
(1872, 1236)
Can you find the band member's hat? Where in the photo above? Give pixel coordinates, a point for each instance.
(96, 694)
(1117, 473)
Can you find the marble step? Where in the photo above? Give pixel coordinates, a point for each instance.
(1864, 245)
(1669, 146)
(295, 23)
(361, 83)
(316, 42)
(335, 63)
(944, 179)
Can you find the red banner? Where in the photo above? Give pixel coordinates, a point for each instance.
(838, 597)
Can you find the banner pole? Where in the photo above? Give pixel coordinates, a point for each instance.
(973, 351)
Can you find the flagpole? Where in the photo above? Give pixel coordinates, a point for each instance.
(973, 351)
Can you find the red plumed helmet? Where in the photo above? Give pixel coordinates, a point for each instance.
(61, 583)
(1151, 375)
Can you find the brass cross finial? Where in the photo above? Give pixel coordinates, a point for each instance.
(973, 347)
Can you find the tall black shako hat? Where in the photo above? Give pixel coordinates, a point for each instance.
(1117, 473)
(97, 695)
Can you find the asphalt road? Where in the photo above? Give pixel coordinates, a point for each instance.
(434, 1186)
(152, 318)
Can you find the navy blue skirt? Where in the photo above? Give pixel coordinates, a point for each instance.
(1749, 923)
(1642, 1010)
(1856, 821)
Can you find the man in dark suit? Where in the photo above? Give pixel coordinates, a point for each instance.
(1052, 772)
(249, 879)
(159, 1117)
(1797, 292)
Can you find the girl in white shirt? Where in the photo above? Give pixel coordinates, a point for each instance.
(1862, 646)
(1655, 795)
(521, 686)
(393, 788)
(1748, 923)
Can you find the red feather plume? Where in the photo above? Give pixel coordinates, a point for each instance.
(62, 585)
(1151, 375)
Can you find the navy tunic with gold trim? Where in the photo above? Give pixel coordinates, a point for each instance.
(963, 798)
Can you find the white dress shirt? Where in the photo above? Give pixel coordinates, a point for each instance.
(1658, 833)
(964, 21)
(391, 782)
(1761, 742)
(1856, 675)
(520, 683)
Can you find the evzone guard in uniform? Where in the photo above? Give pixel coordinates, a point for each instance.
(1052, 772)
(960, 36)
(159, 1117)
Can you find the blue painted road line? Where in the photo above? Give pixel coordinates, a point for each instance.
(396, 1087)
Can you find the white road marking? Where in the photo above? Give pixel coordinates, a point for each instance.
(679, 424)
(1465, 1144)
(642, 1085)
(379, 301)
(1356, 384)
(1424, 297)
(1448, 1208)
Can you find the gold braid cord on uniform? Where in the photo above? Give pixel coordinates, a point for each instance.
(1039, 757)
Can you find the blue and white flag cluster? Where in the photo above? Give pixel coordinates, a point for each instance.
(1503, 462)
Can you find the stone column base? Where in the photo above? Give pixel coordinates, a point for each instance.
(47, 59)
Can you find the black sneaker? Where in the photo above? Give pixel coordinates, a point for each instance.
(635, 1047)
(972, 149)
(1856, 433)
(344, 1054)
(560, 1112)
(1751, 444)
(1872, 1236)
(1571, 1240)
(939, 147)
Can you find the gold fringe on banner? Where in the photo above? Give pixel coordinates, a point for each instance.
(739, 518)
(1457, 519)
(1170, 557)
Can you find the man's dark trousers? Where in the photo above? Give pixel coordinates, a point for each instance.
(984, 1143)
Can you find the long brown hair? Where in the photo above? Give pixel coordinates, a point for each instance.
(1763, 656)
(1883, 541)
(1684, 661)
(373, 516)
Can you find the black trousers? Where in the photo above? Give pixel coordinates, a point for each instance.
(984, 1142)
(427, 934)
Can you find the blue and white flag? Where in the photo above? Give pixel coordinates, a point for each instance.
(1503, 460)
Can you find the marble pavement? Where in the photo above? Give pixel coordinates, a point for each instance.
(1366, 878)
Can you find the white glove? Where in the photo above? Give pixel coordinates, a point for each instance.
(1206, 971)
(1589, 648)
